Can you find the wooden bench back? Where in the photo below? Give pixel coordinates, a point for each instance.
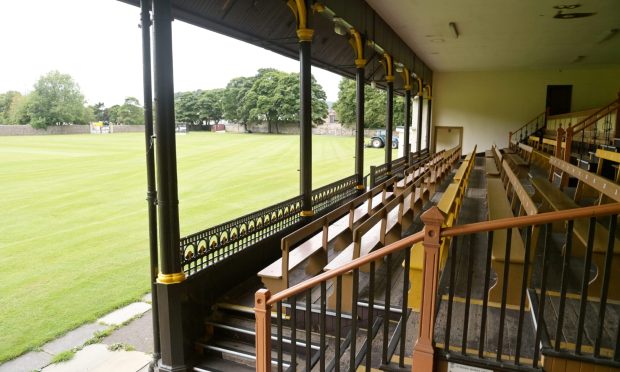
(607, 155)
(498, 157)
(381, 216)
(602, 185)
(323, 222)
(525, 152)
(514, 186)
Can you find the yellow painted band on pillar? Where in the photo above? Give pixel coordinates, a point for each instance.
(420, 87)
(305, 34)
(408, 87)
(389, 78)
(360, 63)
(170, 278)
(306, 213)
(360, 187)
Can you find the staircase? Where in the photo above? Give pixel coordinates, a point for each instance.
(229, 342)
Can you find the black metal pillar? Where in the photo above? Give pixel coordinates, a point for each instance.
(305, 115)
(428, 123)
(419, 128)
(389, 116)
(359, 127)
(406, 145)
(151, 193)
(170, 274)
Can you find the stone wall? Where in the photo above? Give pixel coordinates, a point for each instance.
(293, 128)
(27, 130)
(128, 129)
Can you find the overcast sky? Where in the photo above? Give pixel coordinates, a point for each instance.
(98, 43)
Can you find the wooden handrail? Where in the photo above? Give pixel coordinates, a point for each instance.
(538, 219)
(602, 111)
(535, 119)
(356, 263)
(531, 121)
(504, 223)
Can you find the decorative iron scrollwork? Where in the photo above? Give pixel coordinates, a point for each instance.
(218, 242)
(334, 193)
(203, 249)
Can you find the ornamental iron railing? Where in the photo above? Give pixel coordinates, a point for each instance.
(207, 247)
(333, 194)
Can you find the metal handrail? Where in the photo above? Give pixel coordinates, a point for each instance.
(504, 223)
(596, 115)
(531, 121)
(526, 125)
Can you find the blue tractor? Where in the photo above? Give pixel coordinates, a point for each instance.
(378, 140)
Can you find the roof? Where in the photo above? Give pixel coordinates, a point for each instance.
(271, 25)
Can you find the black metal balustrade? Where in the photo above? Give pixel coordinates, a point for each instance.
(522, 134)
(379, 173)
(468, 326)
(205, 248)
(334, 193)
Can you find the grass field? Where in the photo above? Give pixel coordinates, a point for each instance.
(73, 228)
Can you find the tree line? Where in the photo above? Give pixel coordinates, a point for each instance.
(375, 109)
(57, 100)
(270, 96)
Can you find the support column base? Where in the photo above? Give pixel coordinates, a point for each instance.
(423, 359)
(163, 368)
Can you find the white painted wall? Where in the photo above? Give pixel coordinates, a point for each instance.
(489, 104)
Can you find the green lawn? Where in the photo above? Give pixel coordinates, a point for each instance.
(73, 229)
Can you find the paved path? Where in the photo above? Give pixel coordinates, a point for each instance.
(121, 341)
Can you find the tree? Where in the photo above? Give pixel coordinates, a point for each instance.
(186, 108)
(234, 99)
(374, 103)
(100, 112)
(7, 102)
(210, 105)
(56, 99)
(274, 97)
(131, 112)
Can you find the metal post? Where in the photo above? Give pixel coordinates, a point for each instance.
(389, 124)
(617, 130)
(423, 351)
(428, 122)
(558, 151)
(407, 148)
(167, 198)
(305, 115)
(359, 127)
(170, 274)
(419, 129)
(151, 193)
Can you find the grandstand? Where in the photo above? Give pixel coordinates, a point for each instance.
(490, 245)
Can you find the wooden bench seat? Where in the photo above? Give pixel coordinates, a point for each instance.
(449, 204)
(380, 229)
(499, 207)
(555, 199)
(517, 160)
(310, 243)
(491, 168)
